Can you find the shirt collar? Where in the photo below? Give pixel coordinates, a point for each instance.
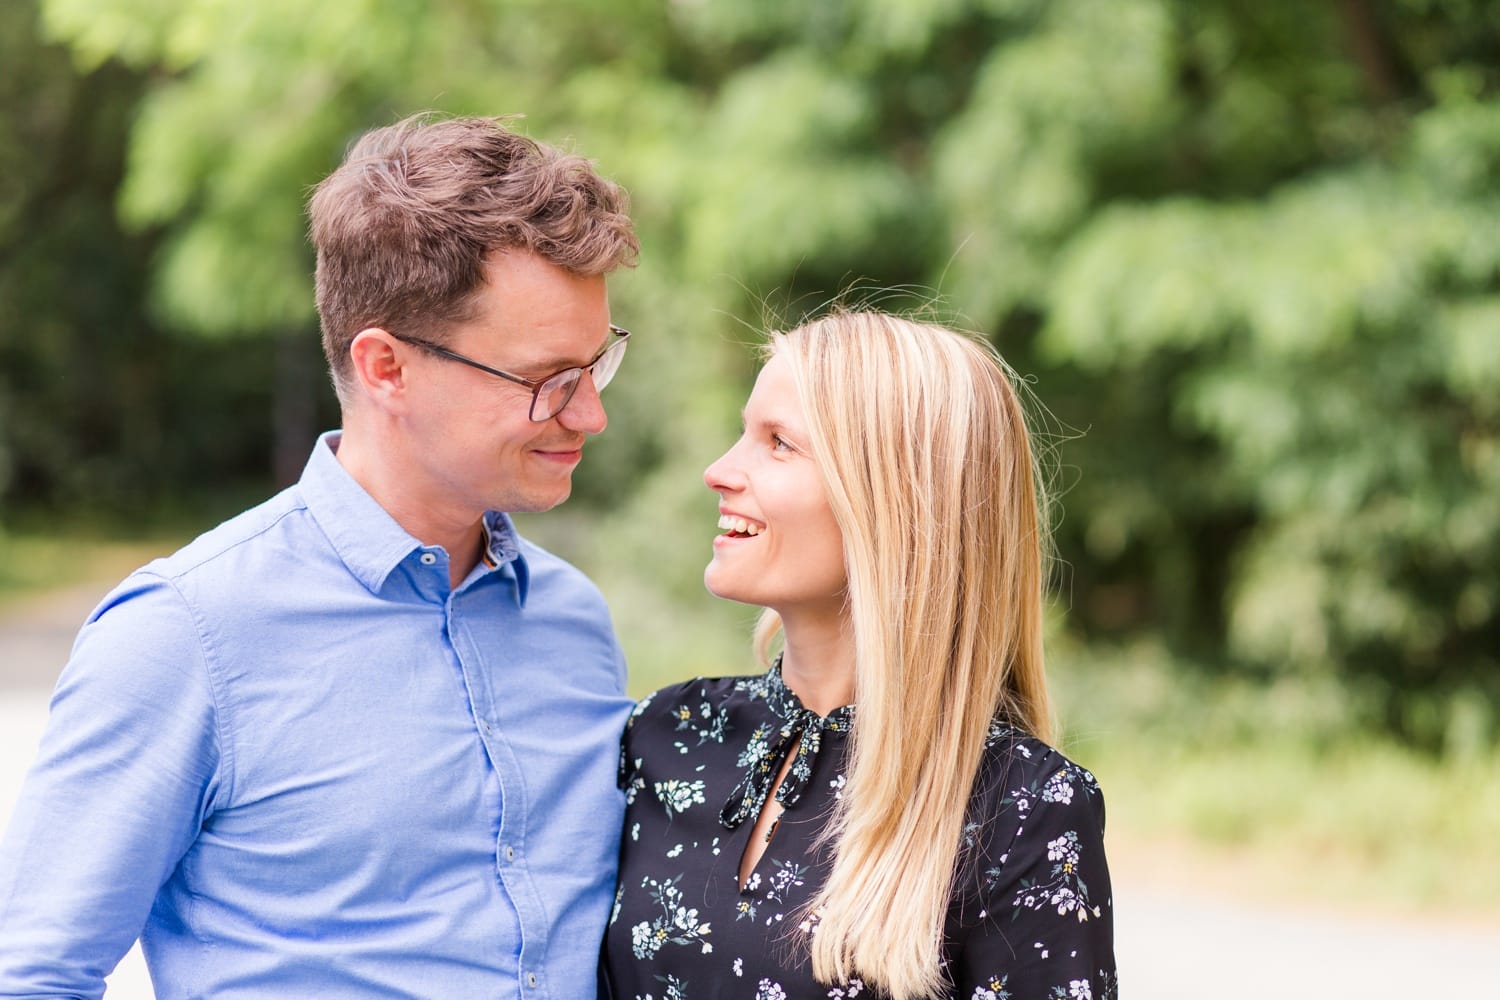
(785, 703)
(502, 544)
(368, 539)
(769, 746)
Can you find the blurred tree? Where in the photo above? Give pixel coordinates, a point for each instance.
(91, 389)
(1313, 330)
(1249, 250)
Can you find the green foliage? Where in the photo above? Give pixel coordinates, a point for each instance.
(1331, 340)
(1250, 251)
(1281, 784)
(100, 410)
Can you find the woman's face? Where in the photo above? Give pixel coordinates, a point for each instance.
(779, 545)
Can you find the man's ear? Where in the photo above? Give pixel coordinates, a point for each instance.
(379, 366)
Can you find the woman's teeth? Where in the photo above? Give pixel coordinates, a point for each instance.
(739, 526)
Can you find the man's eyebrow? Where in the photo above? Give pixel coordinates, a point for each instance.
(549, 366)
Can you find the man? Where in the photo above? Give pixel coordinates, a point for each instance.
(360, 741)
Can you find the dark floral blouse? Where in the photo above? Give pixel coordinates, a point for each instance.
(1030, 917)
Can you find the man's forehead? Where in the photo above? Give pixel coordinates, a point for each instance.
(541, 353)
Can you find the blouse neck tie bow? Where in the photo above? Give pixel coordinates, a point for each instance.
(763, 759)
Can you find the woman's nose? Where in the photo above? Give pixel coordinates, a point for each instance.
(723, 474)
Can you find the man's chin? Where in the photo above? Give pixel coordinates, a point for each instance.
(541, 501)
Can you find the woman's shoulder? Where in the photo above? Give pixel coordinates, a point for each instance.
(699, 697)
(1033, 868)
(1020, 775)
(699, 717)
(1012, 751)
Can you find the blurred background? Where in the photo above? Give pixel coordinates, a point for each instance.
(1246, 256)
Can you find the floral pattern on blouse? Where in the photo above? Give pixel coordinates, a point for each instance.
(1030, 916)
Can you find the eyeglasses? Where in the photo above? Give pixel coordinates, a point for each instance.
(549, 395)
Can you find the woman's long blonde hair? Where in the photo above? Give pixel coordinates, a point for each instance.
(923, 448)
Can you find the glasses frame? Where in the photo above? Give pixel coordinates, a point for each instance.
(620, 337)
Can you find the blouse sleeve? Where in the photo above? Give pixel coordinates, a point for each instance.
(1043, 925)
(628, 776)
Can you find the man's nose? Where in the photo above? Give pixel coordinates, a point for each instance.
(585, 411)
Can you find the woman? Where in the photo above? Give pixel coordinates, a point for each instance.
(877, 815)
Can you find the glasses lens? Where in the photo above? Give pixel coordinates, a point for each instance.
(557, 391)
(554, 394)
(609, 362)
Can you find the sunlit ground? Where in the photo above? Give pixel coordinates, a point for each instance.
(1217, 826)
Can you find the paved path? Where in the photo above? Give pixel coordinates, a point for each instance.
(1171, 945)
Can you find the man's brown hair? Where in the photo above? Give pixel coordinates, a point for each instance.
(403, 227)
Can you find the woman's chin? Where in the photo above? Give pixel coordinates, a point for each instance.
(724, 589)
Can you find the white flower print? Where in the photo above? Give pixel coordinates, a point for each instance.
(640, 707)
(1059, 788)
(767, 990)
(709, 725)
(758, 746)
(676, 795)
(1064, 849)
(1031, 856)
(971, 834)
(637, 783)
(993, 989)
(676, 989)
(643, 943)
(1065, 890)
(753, 687)
(677, 923)
(787, 875)
(810, 925)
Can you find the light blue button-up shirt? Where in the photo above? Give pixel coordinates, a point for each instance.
(297, 763)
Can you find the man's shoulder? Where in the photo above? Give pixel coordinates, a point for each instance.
(538, 557)
(552, 573)
(249, 528)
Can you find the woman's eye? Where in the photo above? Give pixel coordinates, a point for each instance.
(780, 443)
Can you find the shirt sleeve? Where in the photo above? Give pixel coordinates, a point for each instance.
(1043, 926)
(128, 766)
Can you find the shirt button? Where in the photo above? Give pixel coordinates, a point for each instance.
(428, 558)
(510, 853)
(531, 979)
